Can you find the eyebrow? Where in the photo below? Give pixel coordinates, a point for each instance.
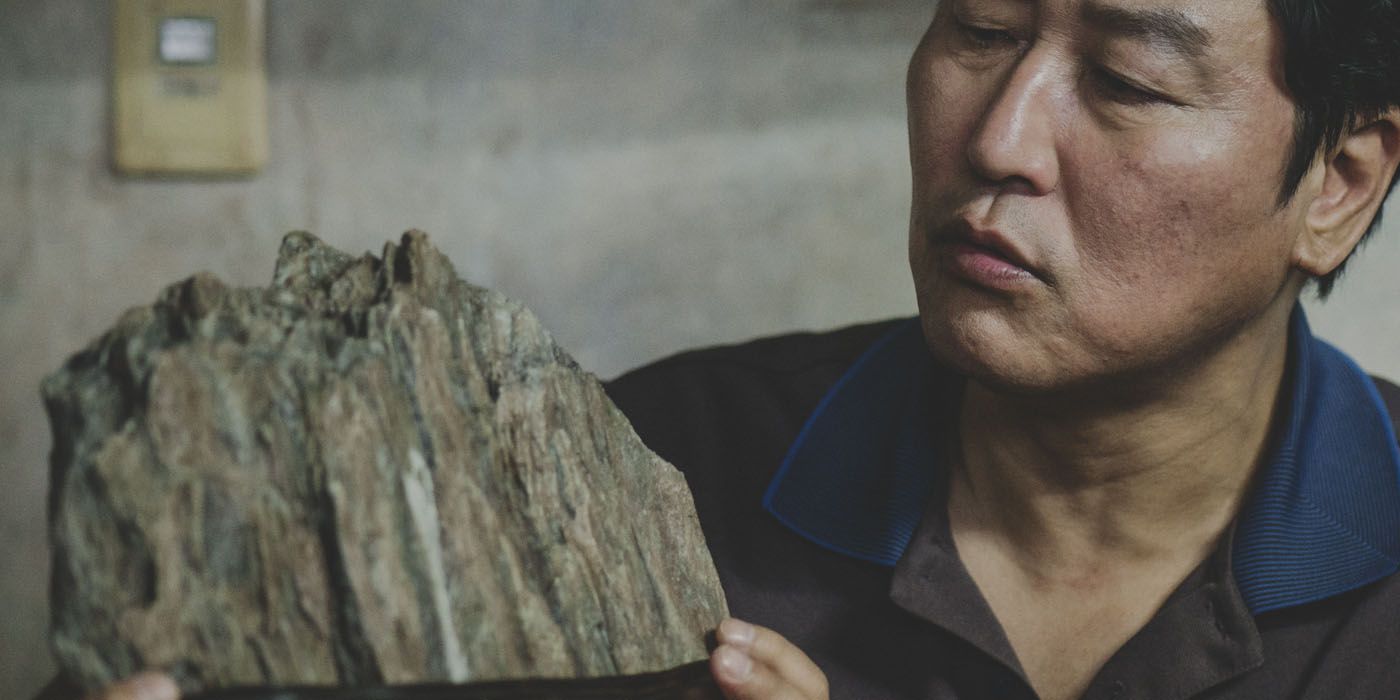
(1168, 27)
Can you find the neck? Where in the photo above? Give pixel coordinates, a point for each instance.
(1150, 473)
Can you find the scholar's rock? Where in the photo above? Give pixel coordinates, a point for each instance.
(370, 472)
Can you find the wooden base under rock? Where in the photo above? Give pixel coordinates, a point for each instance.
(689, 682)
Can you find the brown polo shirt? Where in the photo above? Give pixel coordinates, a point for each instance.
(820, 490)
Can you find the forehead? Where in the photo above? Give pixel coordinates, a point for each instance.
(1217, 17)
(1229, 42)
(1227, 21)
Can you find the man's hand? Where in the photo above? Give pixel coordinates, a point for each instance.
(754, 663)
(750, 663)
(142, 686)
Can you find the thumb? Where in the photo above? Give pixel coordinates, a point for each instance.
(142, 686)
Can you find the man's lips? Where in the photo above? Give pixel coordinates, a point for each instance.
(986, 256)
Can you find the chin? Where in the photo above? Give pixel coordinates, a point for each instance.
(986, 349)
(979, 357)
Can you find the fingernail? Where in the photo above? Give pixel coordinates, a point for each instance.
(734, 663)
(736, 632)
(153, 686)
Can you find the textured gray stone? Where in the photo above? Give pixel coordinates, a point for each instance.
(370, 472)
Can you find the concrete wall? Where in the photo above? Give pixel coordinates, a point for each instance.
(647, 175)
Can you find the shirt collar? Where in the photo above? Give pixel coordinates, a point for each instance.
(1323, 517)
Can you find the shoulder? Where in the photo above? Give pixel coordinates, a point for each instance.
(1330, 648)
(790, 362)
(745, 400)
(784, 354)
(1390, 396)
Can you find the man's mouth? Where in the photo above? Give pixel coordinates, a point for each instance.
(986, 257)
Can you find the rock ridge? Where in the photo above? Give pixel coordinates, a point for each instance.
(369, 472)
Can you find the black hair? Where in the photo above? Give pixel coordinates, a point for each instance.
(1342, 66)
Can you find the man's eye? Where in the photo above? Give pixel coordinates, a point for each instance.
(1119, 90)
(986, 37)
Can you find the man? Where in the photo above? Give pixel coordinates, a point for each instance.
(1109, 459)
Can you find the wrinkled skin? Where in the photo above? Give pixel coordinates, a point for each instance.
(1099, 241)
(1154, 217)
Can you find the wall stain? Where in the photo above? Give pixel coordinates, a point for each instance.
(314, 41)
(17, 244)
(310, 160)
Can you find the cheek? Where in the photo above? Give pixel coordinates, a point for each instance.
(1186, 235)
(1191, 213)
(944, 108)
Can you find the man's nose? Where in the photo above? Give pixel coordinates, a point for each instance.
(1015, 143)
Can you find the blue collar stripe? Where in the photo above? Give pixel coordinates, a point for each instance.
(854, 481)
(1325, 515)
(1323, 518)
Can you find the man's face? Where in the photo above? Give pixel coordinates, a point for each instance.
(1096, 184)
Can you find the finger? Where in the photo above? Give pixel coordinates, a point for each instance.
(740, 677)
(142, 686)
(769, 648)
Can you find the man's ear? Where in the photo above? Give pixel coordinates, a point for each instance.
(1355, 182)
